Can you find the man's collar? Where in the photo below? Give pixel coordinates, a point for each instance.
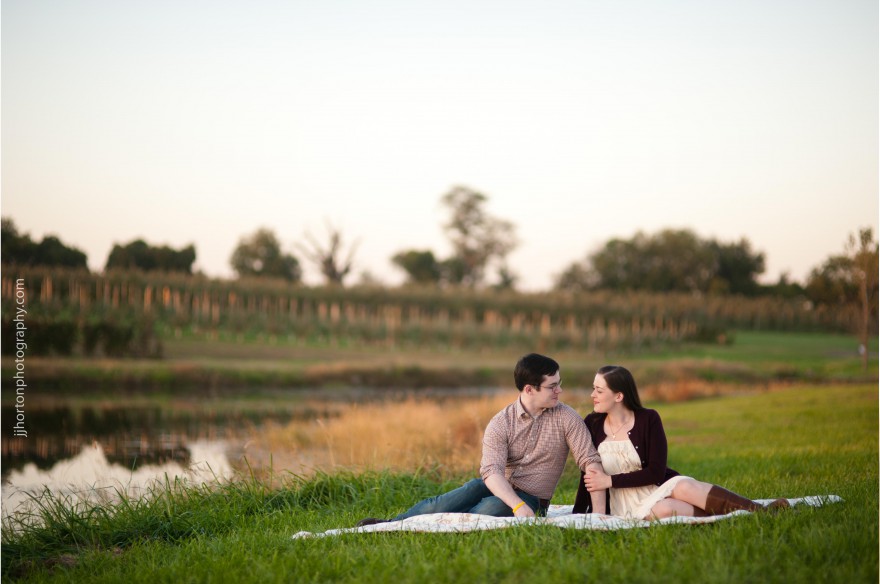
(521, 409)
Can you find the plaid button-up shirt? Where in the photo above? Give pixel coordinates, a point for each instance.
(531, 451)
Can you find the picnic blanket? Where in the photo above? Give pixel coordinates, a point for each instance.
(557, 515)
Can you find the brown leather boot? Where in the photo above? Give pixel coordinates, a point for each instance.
(777, 505)
(720, 501)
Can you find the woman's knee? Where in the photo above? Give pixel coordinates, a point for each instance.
(687, 489)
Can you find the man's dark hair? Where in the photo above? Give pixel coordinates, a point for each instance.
(531, 369)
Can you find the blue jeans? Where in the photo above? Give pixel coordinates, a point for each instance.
(472, 497)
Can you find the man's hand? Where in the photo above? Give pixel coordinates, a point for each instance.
(595, 479)
(502, 489)
(524, 511)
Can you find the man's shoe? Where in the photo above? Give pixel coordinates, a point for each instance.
(370, 521)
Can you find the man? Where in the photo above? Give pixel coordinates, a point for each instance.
(525, 447)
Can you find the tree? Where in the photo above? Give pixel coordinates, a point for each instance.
(260, 255)
(328, 259)
(19, 249)
(864, 251)
(737, 268)
(478, 241)
(506, 279)
(670, 261)
(831, 284)
(575, 278)
(477, 238)
(784, 288)
(142, 256)
(52, 252)
(420, 266)
(849, 281)
(667, 261)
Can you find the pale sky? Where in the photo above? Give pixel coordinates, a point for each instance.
(200, 121)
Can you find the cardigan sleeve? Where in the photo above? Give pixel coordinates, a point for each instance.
(651, 445)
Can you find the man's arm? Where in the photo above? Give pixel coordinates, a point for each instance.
(502, 489)
(580, 442)
(493, 465)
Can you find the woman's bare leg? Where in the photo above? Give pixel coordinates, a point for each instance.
(715, 500)
(692, 491)
(671, 508)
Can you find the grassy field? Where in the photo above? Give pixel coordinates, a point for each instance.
(807, 439)
(197, 366)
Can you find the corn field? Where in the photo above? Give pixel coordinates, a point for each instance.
(127, 313)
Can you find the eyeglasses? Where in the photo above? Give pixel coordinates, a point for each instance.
(554, 388)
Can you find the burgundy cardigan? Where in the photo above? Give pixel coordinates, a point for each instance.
(649, 439)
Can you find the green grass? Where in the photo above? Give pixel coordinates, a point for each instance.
(198, 366)
(803, 440)
(782, 355)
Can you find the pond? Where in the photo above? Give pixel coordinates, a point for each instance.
(86, 448)
(130, 435)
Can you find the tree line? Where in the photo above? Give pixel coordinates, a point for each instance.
(667, 261)
(479, 241)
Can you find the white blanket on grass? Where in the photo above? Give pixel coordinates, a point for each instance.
(557, 515)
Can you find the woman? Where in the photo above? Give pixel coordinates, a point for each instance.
(632, 444)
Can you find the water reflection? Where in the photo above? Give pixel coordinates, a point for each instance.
(134, 432)
(90, 477)
(130, 435)
(86, 450)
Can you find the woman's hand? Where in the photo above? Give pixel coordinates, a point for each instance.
(596, 480)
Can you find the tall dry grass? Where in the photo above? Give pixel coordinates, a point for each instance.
(443, 436)
(413, 434)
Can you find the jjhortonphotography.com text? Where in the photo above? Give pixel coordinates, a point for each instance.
(19, 429)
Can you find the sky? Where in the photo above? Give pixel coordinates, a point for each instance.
(192, 121)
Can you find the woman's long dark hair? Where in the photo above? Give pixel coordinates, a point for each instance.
(620, 380)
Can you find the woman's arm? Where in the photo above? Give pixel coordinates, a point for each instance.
(584, 499)
(598, 497)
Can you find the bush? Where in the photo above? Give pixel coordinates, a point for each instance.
(115, 334)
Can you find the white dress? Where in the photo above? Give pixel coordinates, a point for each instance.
(620, 456)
